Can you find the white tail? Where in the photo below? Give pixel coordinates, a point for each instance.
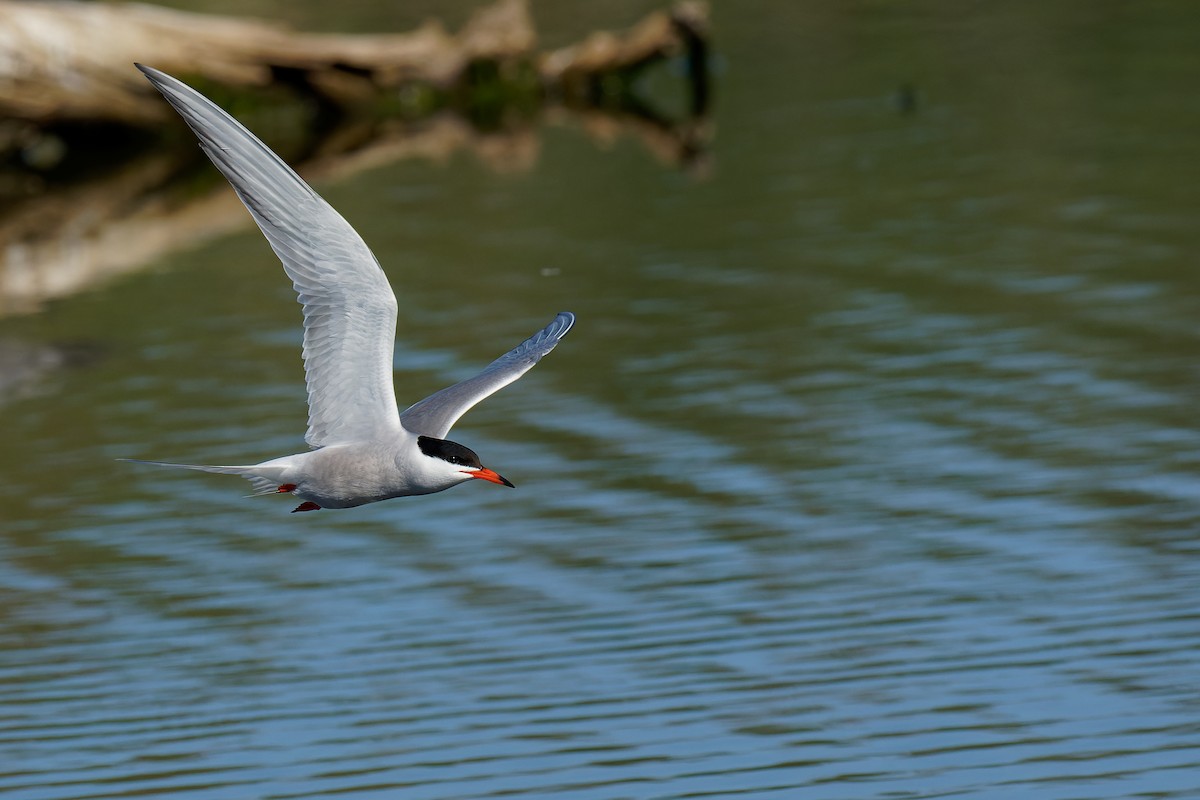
(264, 479)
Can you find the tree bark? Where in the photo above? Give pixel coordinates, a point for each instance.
(62, 60)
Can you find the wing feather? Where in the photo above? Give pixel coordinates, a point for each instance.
(435, 415)
(349, 307)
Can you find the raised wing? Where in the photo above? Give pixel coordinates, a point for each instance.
(349, 308)
(435, 415)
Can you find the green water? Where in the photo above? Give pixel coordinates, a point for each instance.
(870, 469)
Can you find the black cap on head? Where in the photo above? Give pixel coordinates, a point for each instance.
(451, 452)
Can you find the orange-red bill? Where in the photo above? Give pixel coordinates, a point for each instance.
(489, 475)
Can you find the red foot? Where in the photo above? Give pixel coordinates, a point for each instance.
(307, 505)
(284, 488)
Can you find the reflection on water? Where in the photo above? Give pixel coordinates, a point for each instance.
(869, 471)
(71, 240)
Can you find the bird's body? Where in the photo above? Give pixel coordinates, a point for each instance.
(348, 475)
(365, 451)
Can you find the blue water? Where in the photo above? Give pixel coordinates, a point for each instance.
(870, 470)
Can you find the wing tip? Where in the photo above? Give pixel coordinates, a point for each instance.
(565, 319)
(176, 92)
(155, 76)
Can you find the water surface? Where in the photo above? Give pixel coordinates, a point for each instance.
(870, 469)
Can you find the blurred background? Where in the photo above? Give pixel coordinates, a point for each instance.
(870, 469)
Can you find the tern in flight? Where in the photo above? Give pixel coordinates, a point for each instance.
(364, 448)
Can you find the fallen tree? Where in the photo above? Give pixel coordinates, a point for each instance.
(69, 224)
(69, 60)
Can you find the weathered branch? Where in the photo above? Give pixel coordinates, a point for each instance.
(71, 60)
(57, 71)
(663, 34)
(68, 60)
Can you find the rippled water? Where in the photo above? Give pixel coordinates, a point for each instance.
(869, 471)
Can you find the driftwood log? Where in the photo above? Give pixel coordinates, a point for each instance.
(69, 60)
(67, 224)
(68, 88)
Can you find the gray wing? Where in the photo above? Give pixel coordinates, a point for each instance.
(435, 415)
(349, 308)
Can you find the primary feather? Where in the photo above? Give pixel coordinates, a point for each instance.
(349, 307)
(436, 414)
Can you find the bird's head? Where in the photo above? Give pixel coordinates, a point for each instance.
(456, 463)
